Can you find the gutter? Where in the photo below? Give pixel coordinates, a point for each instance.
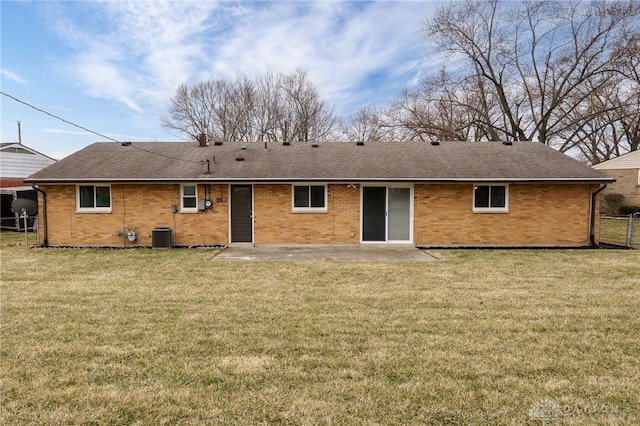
(592, 223)
(232, 179)
(44, 215)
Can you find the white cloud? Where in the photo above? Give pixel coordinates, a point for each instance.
(136, 53)
(117, 136)
(13, 77)
(341, 44)
(66, 132)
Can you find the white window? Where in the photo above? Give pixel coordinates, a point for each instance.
(309, 198)
(189, 198)
(93, 198)
(490, 198)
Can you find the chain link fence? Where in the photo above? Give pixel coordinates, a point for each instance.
(622, 231)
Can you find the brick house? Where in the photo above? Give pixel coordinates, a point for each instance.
(626, 170)
(426, 194)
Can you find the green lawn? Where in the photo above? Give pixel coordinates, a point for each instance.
(152, 337)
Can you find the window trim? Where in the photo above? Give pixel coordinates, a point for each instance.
(184, 209)
(490, 209)
(93, 209)
(309, 209)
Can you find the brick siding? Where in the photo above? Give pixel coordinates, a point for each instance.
(538, 215)
(626, 184)
(276, 224)
(554, 214)
(144, 207)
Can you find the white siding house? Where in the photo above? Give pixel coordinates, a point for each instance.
(20, 161)
(17, 161)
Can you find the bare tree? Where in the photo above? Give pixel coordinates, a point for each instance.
(445, 108)
(534, 58)
(268, 108)
(190, 110)
(628, 55)
(607, 122)
(364, 125)
(306, 116)
(602, 128)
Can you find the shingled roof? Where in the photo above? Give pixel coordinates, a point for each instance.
(325, 161)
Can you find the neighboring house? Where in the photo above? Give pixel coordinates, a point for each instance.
(17, 161)
(625, 169)
(444, 195)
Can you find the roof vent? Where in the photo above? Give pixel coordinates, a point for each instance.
(286, 143)
(435, 143)
(240, 156)
(217, 143)
(360, 143)
(509, 143)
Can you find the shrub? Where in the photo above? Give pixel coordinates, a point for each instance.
(627, 210)
(611, 203)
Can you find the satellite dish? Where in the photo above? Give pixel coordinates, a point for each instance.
(20, 204)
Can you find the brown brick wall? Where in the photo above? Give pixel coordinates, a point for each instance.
(275, 223)
(626, 184)
(144, 206)
(538, 215)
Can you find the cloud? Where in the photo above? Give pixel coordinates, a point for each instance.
(118, 136)
(136, 53)
(66, 132)
(344, 45)
(13, 77)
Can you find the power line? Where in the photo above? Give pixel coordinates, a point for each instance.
(94, 132)
(59, 118)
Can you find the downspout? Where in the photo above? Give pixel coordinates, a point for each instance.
(44, 214)
(592, 237)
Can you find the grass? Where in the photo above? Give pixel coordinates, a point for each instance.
(158, 337)
(613, 230)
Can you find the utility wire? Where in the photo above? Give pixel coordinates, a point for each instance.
(59, 118)
(95, 133)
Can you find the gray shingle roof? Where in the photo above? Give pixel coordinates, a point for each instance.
(324, 161)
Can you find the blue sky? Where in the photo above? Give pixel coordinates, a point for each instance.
(113, 66)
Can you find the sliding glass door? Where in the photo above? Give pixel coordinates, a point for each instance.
(386, 214)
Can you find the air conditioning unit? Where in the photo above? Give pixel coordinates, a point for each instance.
(161, 238)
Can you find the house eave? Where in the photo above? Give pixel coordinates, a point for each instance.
(209, 179)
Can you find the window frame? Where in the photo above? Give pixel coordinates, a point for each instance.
(309, 209)
(491, 209)
(93, 209)
(184, 209)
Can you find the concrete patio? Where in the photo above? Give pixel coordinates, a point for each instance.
(402, 253)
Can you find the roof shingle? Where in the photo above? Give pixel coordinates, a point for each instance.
(325, 161)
